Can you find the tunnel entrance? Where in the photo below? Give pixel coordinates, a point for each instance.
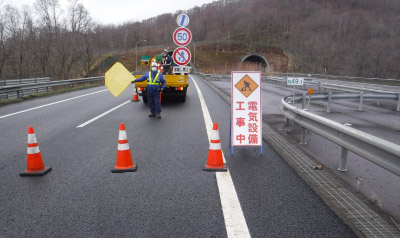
(255, 59)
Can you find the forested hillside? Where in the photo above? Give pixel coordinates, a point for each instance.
(345, 37)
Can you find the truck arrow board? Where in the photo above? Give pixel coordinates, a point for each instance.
(181, 56)
(182, 36)
(182, 20)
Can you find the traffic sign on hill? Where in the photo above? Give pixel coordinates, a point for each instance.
(181, 56)
(182, 36)
(182, 20)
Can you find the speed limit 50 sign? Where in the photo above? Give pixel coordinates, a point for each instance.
(182, 36)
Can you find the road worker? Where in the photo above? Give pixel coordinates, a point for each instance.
(155, 85)
(166, 62)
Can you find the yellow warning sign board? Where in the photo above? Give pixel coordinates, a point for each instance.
(118, 79)
(246, 85)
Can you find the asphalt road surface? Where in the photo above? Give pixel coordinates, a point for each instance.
(168, 196)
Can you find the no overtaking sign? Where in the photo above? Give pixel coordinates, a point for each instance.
(181, 56)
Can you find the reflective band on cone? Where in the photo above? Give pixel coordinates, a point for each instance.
(124, 158)
(35, 165)
(215, 161)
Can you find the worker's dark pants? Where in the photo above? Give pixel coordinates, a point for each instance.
(167, 70)
(153, 97)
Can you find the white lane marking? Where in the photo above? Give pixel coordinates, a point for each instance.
(102, 115)
(235, 222)
(46, 105)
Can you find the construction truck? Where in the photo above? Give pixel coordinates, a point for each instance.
(177, 79)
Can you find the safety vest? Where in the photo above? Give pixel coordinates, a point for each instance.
(153, 82)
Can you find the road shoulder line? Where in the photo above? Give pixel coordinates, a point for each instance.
(235, 222)
(50, 104)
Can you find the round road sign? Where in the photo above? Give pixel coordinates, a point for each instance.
(182, 20)
(181, 56)
(182, 36)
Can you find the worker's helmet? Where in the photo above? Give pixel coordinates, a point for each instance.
(165, 50)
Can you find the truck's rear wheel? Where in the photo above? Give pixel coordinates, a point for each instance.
(183, 98)
(144, 97)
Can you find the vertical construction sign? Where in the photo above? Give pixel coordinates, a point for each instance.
(246, 121)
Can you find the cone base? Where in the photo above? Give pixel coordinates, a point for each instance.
(39, 173)
(135, 99)
(223, 169)
(133, 169)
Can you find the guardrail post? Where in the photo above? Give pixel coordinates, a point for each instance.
(319, 86)
(328, 108)
(303, 103)
(343, 160)
(398, 104)
(287, 124)
(360, 108)
(303, 139)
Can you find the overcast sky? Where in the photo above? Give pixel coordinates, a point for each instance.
(120, 11)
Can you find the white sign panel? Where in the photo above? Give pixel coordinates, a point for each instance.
(295, 81)
(182, 20)
(246, 109)
(181, 69)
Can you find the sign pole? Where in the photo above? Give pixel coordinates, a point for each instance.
(230, 133)
(294, 88)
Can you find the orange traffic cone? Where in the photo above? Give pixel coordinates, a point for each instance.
(215, 161)
(35, 166)
(124, 158)
(135, 96)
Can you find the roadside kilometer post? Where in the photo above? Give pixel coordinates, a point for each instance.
(310, 92)
(182, 37)
(246, 113)
(294, 82)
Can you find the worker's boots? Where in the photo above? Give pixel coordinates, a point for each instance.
(152, 115)
(158, 116)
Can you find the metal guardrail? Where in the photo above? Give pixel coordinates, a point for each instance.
(307, 82)
(23, 81)
(361, 96)
(379, 151)
(333, 77)
(20, 90)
